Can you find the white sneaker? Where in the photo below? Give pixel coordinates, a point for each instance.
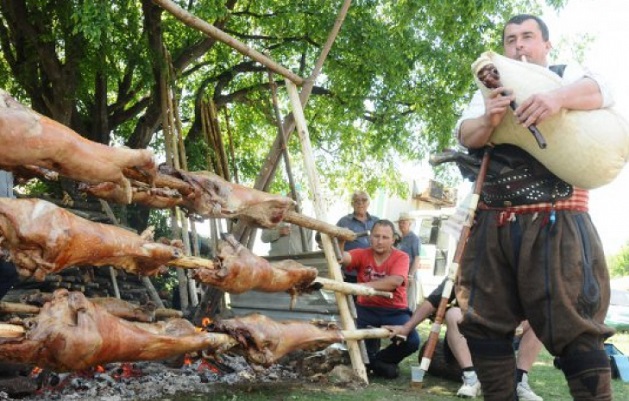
(525, 393)
(471, 386)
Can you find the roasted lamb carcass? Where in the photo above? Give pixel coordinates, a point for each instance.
(264, 341)
(215, 197)
(126, 310)
(238, 270)
(158, 198)
(42, 238)
(30, 139)
(207, 195)
(71, 333)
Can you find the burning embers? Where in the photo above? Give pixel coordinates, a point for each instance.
(150, 380)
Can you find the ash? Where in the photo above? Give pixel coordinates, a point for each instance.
(155, 380)
(152, 380)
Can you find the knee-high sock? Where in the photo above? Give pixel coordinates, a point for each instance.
(588, 375)
(494, 361)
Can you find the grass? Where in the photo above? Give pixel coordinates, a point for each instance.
(545, 379)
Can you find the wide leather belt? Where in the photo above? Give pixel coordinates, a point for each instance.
(521, 187)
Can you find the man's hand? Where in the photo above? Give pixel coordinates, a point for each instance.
(537, 108)
(496, 106)
(396, 331)
(475, 133)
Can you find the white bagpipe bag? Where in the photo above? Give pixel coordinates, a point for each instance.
(587, 149)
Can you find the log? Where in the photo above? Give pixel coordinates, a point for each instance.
(37, 298)
(11, 331)
(12, 307)
(53, 278)
(18, 386)
(350, 289)
(18, 295)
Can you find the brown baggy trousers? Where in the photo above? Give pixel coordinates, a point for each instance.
(526, 266)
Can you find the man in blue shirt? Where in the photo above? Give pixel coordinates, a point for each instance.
(359, 221)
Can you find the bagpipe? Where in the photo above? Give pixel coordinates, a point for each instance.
(587, 149)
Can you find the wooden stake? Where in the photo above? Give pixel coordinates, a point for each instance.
(365, 334)
(333, 266)
(192, 262)
(315, 224)
(350, 289)
(112, 274)
(287, 165)
(11, 331)
(212, 31)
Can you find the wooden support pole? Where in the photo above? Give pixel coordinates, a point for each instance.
(328, 250)
(112, 274)
(263, 181)
(232, 152)
(287, 164)
(150, 288)
(212, 31)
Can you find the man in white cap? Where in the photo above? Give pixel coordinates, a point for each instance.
(411, 245)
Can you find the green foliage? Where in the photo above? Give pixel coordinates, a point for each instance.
(159, 220)
(619, 263)
(92, 20)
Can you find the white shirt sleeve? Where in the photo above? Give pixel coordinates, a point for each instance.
(474, 109)
(574, 72)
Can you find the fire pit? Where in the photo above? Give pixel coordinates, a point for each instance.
(148, 380)
(154, 380)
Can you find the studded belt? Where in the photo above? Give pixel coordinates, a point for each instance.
(521, 187)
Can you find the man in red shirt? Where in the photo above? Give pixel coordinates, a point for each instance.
(385, 268)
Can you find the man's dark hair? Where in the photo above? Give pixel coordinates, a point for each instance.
(384, 223)
(520, 18)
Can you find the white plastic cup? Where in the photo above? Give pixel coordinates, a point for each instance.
(416, 376)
